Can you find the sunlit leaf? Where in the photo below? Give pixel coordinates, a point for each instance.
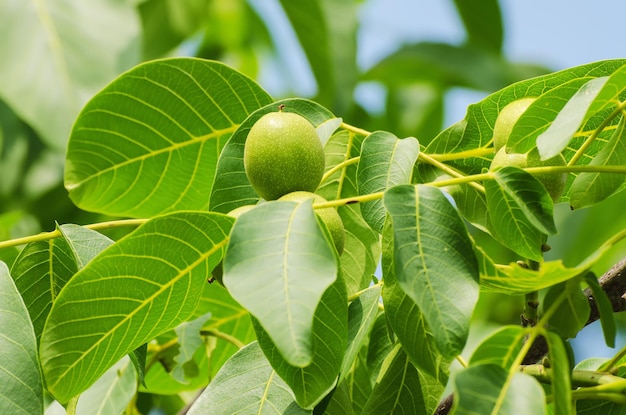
(310, 384)
(385, 162)
(489, 389)
(591, 188)
(128, 295)
(406, 320)
(554, 140)
(434, 261)
(247, 384)
(231, 187)
(21, 389)
(379, 347)
(42, 268)
(148, 143)
(52, 74)
(362, 248)
(278, 266)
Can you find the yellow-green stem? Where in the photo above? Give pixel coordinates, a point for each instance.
(44, 236)
(354, 129)
(449, 170)
(596, 132)
(338, 167)
(359, 293)
(220, 335)
(477, 152)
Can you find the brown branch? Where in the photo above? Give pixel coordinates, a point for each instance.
(613, 283)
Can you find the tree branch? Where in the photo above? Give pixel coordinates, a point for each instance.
(613, 283)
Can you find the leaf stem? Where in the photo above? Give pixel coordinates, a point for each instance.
(581, 151)
(44, 236)
(477, 152)
(338, 167)
(447, 169)
(70, 408)
(358, 293)
(354, 129)
(221, 335)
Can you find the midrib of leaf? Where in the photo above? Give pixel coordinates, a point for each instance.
(422, 258)
(265, 392)
(55, 46)
(285, 280)
(153, 153)
(147, 301)
(222, 321)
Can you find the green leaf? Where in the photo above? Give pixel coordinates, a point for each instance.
(605, 309)
(340, 402)
(112, 393)
(279, 264)
(520, 210)
(84, 243)
(399, 388)
(40, 271)
(361, 317)
(529, 195)
(380, 345)
(138, 359)
(247, 384)
(450, 65)
(326, 30)
(561, 375)
(68, 72)
(558, 135)
(489, 389)
(361, 251)
(476, 130)
(128, 295)
(406, 320)
(483, 23)
(362, 248)
(310, 384)
(148, 143)
(227, 317)
(385, 162)
(500, 348)
(43, 268)
(231, 187)
(590, 188)
(434, 261)
(572, 308)
(167, 23)
(190, 341)
(21, 389)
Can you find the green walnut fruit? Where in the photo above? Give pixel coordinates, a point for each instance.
(553, 182)
(507, 119)
(283, 154)
(329, 216)
(218, 272)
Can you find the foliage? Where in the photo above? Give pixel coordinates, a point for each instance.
(120, 315)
